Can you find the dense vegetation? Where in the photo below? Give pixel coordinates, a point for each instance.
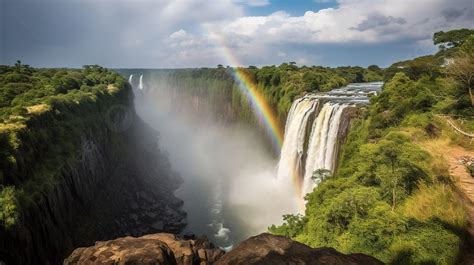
(44, 116)
(392, 196)
(279, 84)
(218, 90)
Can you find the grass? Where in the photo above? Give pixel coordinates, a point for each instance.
(38, 109)
(437, 201)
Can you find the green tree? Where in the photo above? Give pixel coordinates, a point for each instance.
(461, 68)
(396, 165)
(453, 38)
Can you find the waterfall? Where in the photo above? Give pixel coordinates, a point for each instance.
(322, 143)
(140, 85)
(130, 79)
(312, 130)
(290, 165)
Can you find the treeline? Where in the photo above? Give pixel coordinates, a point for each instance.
(44, 116)
(218, 89)
(392, 196)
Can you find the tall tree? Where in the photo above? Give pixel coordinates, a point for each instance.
(461, 68)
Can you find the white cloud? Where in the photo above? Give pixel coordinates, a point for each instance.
(363, 21)
(183, 33)
(261, 39)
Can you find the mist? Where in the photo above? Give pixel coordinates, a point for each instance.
(230, 189)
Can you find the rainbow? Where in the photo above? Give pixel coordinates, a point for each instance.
(260, 106)
(257, 100)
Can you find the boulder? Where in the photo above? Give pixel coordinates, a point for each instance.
(161, 248)
(164, 248)
(271, 249)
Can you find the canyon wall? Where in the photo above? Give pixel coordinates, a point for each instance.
(116, 183)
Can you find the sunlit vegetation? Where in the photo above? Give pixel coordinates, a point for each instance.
(218, 89)
(44, 116)
(392, 196)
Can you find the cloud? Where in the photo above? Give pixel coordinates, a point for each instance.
(376, 21)
(190, 33)
(253, 2)
(364, 21)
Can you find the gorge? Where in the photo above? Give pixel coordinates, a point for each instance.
(237, 132)
(143, 168)
(240, 177)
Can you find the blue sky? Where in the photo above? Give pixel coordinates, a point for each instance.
(294, 8)
(195, 33)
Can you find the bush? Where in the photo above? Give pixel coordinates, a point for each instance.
(8, 206)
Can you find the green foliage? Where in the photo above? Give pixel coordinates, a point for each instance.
(425, 243)
(8, 206)
(375, 233)
(389, 198)
(291, 227)
(461, 69)
(428, 66)
(453, 38)
(45, 114)
(320, 174)
(401, 96)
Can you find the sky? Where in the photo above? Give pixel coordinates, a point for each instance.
(204, 33)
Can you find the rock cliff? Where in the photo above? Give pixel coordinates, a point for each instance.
(117, 184)
(168, 249)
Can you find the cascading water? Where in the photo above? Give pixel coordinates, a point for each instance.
(295, 131)
(322, 143)
(312, 131)
(140, 85)
(130, 78)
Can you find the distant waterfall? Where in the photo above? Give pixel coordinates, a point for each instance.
(140, 85)
(312, 129)
(130, 79)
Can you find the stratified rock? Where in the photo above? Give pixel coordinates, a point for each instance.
(271, 249)
(159, 248)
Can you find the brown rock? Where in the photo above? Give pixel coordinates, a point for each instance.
(125, 250)
(159, 248)
(271, 249)
(166, 248)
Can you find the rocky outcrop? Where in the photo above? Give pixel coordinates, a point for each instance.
(150, 249)
(168, 249)
(271, 249)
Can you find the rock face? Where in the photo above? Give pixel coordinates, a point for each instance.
(117, 184)
(160, 248)
(168, 249)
